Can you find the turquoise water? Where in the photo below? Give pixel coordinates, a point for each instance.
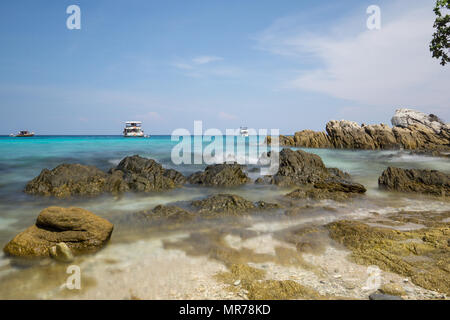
(21, 159)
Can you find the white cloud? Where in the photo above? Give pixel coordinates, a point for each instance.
(206, 59)
(388, 68)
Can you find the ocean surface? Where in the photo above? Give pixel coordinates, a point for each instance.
(22, 159)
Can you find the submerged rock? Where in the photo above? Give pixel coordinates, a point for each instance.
(169, 213)
(228, 204)
(226, 175)
(423, 255)
(381, 296)
(415, 180)
(81, 230)
(67, 180)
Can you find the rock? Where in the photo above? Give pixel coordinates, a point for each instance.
(61, 252)
(133, 173)
(80, 229)
(226, 175)
(146, 175)
(267, 205)
(412, 130)
(299, 168)
(228, 204)
(379, 296)
(415, 180)
(422, 254)
(306, 170)
(405, 117)
(392, 289)
(170, 213)
(68, 180)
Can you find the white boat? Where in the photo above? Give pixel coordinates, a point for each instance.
(133, 129)
(23, 134)
(243, 131)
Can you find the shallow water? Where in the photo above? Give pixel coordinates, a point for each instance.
(23, 159)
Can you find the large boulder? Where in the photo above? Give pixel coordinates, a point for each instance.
(145, 175)
(81, 230)
(68, 179)
(226, 175)
(299, 168)
(415, 180)
(132, 174)
(405, 117)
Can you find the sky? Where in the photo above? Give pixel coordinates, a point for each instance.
(266, 64)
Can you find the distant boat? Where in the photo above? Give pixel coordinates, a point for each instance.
(23, 134)
(133, 130)
(243, 131)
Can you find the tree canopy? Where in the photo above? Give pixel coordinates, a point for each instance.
(439, 45)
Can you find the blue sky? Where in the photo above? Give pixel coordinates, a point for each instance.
(289, 65)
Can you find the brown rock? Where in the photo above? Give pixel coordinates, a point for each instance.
(80, 229)
(226, 175)
(415, 180)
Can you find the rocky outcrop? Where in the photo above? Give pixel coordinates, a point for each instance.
(68, 179)
(306, 139)
(406, 117)
(145, 175)
(413, 130)
(299, 168)
(415, 180)
(132, 174)
(225, 175)
(307, 171)
(81, 230)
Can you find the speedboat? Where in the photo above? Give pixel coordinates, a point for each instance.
(133, 129)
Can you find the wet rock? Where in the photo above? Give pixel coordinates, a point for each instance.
(380, 296)
(61, 252)
(267, 205)
(132, 174)
(415, 180)
(317, 194)
(80, 229)
(299, 168)
(226, 175)
(146, 175)
(392, 289)
(422, 254)
(67, 180)
(228, 204)
(170, 213)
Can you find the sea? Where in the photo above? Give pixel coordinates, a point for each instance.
(22, 159)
